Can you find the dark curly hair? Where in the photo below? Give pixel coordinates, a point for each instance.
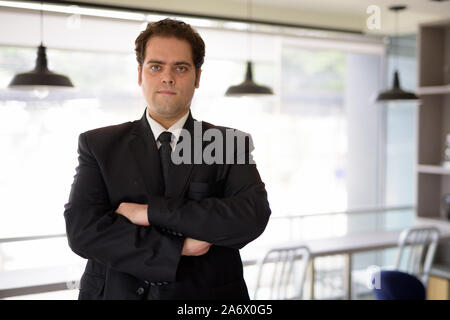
(171, 28)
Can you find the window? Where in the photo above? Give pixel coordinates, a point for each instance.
(317, 139)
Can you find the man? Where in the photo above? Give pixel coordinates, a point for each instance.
(150, 228)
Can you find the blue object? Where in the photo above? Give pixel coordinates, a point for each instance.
(397, 285)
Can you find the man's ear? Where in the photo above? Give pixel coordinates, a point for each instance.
(197, 78)
(139, 75)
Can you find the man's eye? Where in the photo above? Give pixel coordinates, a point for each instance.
(182, 69)
(155, 68)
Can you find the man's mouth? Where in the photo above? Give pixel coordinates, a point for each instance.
(166, 92)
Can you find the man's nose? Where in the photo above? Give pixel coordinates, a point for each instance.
(168, 78)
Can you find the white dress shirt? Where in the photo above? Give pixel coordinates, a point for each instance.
(175, 129)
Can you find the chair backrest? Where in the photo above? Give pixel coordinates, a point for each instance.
(281, 273)
(398, 285)
(418, 246)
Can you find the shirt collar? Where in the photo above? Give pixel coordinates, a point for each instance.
(175, 129)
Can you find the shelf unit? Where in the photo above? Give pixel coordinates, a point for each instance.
(433, 180)
(439, 170)
(429, 90)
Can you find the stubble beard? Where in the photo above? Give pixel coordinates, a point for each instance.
(168, 109)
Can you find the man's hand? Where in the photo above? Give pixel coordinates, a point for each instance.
(136, 213)
(192, 247)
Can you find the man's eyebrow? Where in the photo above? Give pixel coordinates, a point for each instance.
(178, 63)
(182, 62)
(155, 61)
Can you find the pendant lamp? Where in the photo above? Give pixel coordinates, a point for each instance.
(40, 77)
(248, 86)
(396, 92)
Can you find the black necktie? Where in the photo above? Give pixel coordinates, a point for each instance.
(165, 151)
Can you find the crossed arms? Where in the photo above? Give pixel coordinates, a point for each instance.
(129, 237)
(137, 214)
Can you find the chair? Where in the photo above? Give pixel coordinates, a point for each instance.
(418, 245)
(415, 254)
(281, 273)
(397, 285)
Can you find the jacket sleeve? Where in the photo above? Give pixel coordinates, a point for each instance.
(232, 221)
(95, 231)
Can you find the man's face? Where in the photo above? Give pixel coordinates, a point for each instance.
(167, 77)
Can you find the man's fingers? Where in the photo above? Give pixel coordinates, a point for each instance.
(120, 209)
(194, 247)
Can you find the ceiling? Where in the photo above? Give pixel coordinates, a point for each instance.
(340, 14)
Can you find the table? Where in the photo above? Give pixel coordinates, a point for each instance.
(348, 245)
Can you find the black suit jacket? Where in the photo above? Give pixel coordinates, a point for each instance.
(224, 204)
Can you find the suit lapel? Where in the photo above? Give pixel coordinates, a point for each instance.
(143, 147)
(145, 152)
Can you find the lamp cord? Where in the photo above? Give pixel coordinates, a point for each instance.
(42, 23)
(396, 42)
(249, 15)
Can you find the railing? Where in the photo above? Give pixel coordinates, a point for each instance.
(329, 224)
(50, 236)
(355, 211)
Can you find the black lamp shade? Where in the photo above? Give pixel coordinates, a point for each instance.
(248, 87)
(40, 76)
(396, 93)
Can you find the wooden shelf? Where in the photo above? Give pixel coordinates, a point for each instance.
(433, 120)
(433, 169)
(430, 90)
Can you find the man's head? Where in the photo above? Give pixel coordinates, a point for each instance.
(170, 55)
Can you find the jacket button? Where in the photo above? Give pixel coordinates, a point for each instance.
(179, 234)
(140, 291)
(152, 283)
(165, 282)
